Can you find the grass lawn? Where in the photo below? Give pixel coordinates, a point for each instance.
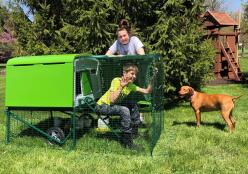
(182, 147)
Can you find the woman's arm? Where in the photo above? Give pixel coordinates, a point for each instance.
(109, 52)
(141, 51)
(112, 50)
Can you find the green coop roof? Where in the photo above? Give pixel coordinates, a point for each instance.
(62, 58)
(42, 59)
(121, 57)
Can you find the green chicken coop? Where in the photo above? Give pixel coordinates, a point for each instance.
(54, 96)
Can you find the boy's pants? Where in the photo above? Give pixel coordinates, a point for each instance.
(128, 112)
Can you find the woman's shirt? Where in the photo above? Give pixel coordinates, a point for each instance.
(131, 48)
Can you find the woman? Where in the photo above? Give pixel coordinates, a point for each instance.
(126, 44)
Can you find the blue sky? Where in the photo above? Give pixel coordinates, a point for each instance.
(233, 5)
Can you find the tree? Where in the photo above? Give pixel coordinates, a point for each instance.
(7, 41)
(215, 5)
(80, 26)
(169, 27)
(177, 36)
(64, 26)
(244, 25)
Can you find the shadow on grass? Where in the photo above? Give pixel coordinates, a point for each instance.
(172, 104)
(113, 136)
(219, 126)
(244, 79)
(64, 125)
(45, 125)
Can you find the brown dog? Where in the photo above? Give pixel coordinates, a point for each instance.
(210, 102)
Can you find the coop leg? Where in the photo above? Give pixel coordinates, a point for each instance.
(51, 116)
(73, 126)
(7, 134)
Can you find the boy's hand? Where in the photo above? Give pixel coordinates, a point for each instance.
(124, 82)
(155, 71)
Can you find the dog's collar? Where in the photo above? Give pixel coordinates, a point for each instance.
(190, 98)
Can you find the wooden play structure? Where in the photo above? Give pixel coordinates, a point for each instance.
(224, 31)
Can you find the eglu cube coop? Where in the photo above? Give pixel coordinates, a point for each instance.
(54, 97)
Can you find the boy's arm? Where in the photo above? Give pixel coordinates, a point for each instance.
(114, 94)
(149, 87)
(145, 90)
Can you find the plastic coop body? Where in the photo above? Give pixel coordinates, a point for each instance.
(43, 84)
(40, 81)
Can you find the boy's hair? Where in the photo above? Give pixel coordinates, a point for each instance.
(130, 67)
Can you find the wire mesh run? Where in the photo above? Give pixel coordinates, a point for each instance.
(95, 79)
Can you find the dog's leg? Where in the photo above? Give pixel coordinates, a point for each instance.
(232, 120)
(225, 116)
(198, 117)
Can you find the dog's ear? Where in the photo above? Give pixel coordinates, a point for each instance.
(191, 91)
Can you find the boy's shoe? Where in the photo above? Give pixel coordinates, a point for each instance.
(135, 132)
(127, 142)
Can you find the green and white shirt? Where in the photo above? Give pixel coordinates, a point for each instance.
(115, 85)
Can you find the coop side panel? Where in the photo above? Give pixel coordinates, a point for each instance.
(39, 85)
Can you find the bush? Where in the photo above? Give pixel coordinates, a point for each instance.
(178, 37)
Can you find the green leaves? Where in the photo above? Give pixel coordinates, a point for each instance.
(178, 36)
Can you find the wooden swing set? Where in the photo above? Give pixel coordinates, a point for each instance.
(224, 31)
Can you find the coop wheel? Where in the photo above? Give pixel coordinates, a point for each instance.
(57, 134)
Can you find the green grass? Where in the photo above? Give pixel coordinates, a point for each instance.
(244, 61)
(182, 148)
(245, 53)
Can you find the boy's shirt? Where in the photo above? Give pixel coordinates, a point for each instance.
(115, 84)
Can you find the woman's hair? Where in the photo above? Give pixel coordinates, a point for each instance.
(124, 25)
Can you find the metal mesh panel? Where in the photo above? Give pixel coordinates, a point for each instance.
(150, 105)
(34, 125)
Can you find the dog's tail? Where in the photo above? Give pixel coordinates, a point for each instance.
(235, 98)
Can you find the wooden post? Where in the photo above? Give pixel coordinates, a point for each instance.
(238, 29)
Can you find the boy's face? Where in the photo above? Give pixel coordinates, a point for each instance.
(130, 76)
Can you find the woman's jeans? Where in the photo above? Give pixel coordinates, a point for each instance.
(128, 112)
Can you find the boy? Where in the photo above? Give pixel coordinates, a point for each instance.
(110, 103)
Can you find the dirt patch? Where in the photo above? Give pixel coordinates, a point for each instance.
(2, 72)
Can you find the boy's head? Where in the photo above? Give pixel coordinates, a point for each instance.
(130, 67)
(129, 72)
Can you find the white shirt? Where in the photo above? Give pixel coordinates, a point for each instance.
(131, 48)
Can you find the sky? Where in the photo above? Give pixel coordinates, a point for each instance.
(233, 5)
